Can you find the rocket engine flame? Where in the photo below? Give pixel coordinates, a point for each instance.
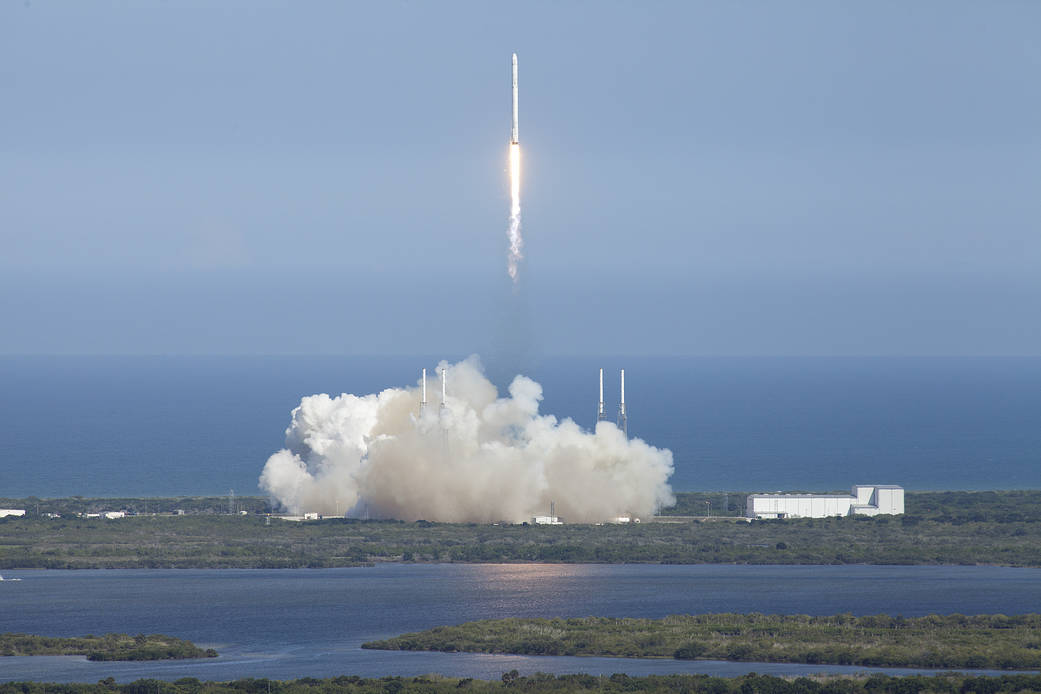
(483, 458)
(515, 238)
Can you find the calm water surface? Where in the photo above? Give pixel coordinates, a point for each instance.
(296, 623)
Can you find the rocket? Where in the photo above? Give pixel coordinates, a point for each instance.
(514, 131)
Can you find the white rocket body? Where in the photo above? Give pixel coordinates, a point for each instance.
(514, 131)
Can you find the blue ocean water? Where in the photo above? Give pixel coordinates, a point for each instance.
(150, 426)
(290, 623)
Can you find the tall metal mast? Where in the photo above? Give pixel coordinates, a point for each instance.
(601, 413)
(623, 418)
(444, 388)
(423, 402)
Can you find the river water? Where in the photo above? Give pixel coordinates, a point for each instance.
(296, 623)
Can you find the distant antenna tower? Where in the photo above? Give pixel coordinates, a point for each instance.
(231, 501)
(601, 413)
(623, 418)
(444, 388)
(553, 510)
(423, 402)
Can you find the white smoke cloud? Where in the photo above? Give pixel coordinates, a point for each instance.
(481, 459)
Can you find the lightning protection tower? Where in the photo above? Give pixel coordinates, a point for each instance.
(623, 418)
(601, 413)
(423, 402)
(444, 388)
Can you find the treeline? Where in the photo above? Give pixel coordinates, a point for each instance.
(707, 504)
(77, 505)
(561, 684)
(222, 541)
(995, 642)
(105, 647)
(958, 508)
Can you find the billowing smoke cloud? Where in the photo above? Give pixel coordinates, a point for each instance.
(480, 459)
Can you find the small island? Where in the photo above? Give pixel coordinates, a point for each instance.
(935, 641)
(106, 647)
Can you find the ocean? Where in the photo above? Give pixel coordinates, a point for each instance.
(158, 426)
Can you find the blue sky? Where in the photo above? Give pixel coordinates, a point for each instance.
(699, 178)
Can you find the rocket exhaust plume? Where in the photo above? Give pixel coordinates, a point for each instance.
(484, 459)
(515, 239)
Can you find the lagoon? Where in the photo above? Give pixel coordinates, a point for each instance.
(311, 622)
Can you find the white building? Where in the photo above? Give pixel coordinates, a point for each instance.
(863, 500)
(546, 520)
(5, 512)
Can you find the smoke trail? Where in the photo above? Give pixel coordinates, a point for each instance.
(481, 458)
(516, 241)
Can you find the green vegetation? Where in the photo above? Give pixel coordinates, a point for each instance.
(953, 641)
(107, 647)
(730, 504)
(957, 508)
(940, 528)
(74, 505)
(563, 684)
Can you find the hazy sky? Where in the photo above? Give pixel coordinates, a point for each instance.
(699, 177)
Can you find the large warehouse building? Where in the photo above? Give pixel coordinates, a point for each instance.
(864, 500)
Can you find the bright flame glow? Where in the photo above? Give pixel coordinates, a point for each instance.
(516, 241)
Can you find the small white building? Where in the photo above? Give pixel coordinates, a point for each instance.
(863, 500)
(546, 520)
(5, 512)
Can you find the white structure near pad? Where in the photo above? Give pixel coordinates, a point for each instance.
(863, 500)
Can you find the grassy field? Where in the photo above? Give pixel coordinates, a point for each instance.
(561, 684)
(948, 641)
(106, 647)
(940, 528)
